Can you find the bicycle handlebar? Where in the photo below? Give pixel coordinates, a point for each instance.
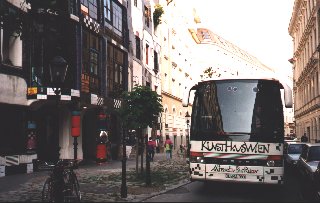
(68, 163)
(45, 166)
(65, 163)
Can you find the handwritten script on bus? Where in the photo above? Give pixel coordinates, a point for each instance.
(235, 169)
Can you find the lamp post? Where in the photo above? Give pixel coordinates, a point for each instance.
(124, 188)
(187, 117)
(75, 131)
(148, 175)
(124, 135)
(58, 68)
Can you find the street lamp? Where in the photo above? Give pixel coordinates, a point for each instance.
(58, 68)
(124, 132)
(187, 117)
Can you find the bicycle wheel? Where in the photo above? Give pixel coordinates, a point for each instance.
(72, 188)
(76, 186)
(47, 191)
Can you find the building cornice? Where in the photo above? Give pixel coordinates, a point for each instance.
(171, 95)
(305, 36)
(293, 20)
(310, 66)
(301, 112)
(194, 35)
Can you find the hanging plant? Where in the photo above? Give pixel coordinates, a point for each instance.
(158, 11)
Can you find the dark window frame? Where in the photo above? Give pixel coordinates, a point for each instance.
(147, 15)
(107, 11)
(73, 8)
(92, 6)
(138, 48)
(115, 70)
(117, 13)
(147, 54)
(91, 53)
(156, 62)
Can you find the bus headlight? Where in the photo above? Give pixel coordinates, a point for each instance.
(200, 160)
(196, 157)
(270, 163)
(274, 161)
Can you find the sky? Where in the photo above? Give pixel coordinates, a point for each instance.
(260, 27)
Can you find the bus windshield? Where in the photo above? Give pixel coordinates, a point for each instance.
(238, 110)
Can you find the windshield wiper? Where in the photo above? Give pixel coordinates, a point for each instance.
(236, 133)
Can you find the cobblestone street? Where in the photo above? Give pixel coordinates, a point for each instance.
(102, 183)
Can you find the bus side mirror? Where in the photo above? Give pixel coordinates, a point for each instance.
(287, 94)
(185, 99)
(186, 95)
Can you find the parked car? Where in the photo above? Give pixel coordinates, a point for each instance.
(309, 160)
(317, 181)
(292, 151)
(289, 138)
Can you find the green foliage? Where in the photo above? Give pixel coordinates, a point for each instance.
(158, 11)
(208, 73)
(141, 107)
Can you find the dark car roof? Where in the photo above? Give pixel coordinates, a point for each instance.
(294, 142)
(291, 140)
(312, 144)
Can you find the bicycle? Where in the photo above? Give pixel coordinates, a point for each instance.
(62, 184)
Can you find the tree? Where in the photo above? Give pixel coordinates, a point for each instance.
(141, 108)
(158, 11)
(209, 73)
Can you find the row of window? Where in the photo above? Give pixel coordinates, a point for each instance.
(11, 45)
(307, 91)
(155, 54)
(46, 39)
(112, 13)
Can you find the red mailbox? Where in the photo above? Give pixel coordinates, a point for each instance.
(75, 124)
(101, 152)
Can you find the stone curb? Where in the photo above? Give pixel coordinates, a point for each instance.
(142, 199)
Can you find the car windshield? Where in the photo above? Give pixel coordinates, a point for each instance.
(238, 110)
(314, 154)
(295, 149)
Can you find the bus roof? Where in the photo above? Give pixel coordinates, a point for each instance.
(242, 77)
(266, 76)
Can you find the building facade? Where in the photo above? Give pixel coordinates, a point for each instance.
(144, 50)
(13, 101)
(304, 30)
(65, 64)
(176, 67)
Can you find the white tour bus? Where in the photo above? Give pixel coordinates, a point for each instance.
(237, 130)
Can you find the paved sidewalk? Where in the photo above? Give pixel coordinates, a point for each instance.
(98, 182)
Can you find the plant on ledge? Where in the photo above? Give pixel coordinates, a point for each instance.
(158, 11)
